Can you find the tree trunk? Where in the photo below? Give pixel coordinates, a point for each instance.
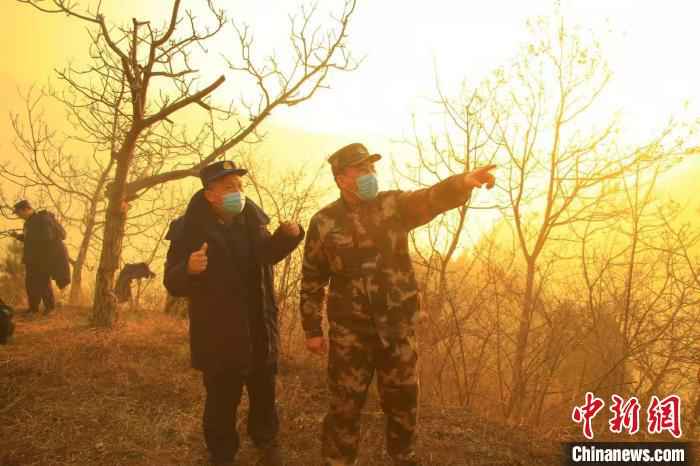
(517, 397)
(105, 302)
(76, 289)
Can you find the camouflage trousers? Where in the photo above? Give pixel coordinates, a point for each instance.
(353, 359)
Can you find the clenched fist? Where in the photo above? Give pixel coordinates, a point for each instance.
(197, 262)
(290, 229)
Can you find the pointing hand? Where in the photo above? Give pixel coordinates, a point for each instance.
(477, 178)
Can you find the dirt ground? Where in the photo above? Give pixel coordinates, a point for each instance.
(72, 395)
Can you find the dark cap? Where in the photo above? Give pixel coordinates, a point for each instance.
(23, 204)
(350, 155)
(218, 169)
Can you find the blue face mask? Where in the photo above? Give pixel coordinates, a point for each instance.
(367, 186)
(233, 203)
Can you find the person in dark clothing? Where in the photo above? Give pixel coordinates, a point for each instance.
(129, 273)
(220, 257)
(45, 255)
(7, 327)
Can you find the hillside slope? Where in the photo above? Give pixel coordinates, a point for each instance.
(72, 395)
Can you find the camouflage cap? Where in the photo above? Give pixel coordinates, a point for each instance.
(350, 155)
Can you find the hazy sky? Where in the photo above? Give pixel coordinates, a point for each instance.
(651, 47)
(652, 51)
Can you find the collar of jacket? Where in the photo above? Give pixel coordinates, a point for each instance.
(360, 206)
(349, 206)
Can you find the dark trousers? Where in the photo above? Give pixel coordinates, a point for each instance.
(224, 390)
(39, 289)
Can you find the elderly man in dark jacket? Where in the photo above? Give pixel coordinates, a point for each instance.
(220, 258)
(45, 255)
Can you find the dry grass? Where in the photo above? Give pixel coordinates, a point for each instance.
(71, 395)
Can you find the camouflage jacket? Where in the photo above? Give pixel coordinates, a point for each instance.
(363, 253)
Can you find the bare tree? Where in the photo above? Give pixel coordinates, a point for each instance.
(142, 55)
(463, 145)
(561, 188)
(557, 175)
(71, 186)
(52, 168)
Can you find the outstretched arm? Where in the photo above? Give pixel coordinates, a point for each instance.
(421, 206)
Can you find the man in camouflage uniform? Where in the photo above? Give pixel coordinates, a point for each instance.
(359, 244)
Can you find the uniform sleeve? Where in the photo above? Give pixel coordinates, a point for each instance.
(315, 274)
(421, 206)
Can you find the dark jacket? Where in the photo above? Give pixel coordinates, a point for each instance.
(129, 273)
(44, 248)
(220, 333)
